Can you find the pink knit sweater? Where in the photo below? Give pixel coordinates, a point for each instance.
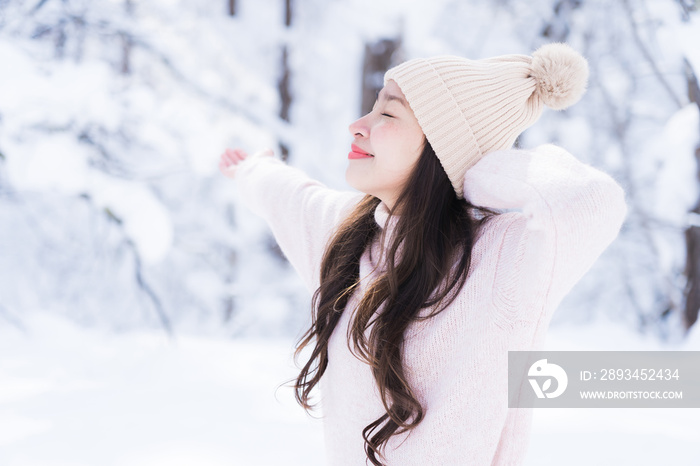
(561, 215)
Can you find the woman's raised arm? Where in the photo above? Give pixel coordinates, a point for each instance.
(569, 212)
(301, 212)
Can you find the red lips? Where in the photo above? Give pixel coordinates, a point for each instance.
(357, 153)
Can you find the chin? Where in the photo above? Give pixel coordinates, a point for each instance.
(350, 180)
(355, 181)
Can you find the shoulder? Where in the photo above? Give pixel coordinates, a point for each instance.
(346, 201)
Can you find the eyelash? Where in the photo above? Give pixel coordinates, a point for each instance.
(376, 98)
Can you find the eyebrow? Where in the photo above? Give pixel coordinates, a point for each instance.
(390, 97)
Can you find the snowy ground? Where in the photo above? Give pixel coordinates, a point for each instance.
(70, 396)
(639, 437)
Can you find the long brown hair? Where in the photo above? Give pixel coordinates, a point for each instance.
(438, 230)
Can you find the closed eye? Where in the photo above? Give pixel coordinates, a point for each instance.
(387, 115)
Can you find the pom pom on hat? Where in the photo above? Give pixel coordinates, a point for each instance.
(561, 74)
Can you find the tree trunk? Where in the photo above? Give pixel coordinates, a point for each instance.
(288, 13)
(378, 58)
(285, 76)
(232, 7)
(126, 53)
(692, 233)
(285, 96)
(126, 41)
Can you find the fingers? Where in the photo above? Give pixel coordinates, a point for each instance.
(227, 157)
(226, 169)
(230, 158)
(236, 155)
(240, 154)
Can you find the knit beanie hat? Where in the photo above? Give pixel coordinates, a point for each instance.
(468, 108)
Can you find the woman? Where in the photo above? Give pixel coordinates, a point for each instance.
(420, 287)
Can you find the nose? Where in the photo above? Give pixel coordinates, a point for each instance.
(360, 127)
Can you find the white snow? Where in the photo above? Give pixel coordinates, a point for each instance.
(71, 396)
(81, 397)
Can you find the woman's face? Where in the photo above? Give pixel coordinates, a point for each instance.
(392, 140)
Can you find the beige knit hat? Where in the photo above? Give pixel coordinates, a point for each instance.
(468, 108)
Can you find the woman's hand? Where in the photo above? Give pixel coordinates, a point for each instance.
(232, 157)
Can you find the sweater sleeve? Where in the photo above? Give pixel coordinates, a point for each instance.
(566, 214)
(302, 213)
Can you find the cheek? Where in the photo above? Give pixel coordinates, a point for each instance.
(396, 139)
(415, 141)
(387, 133)
(389, 144)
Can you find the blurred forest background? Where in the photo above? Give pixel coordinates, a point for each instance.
(146, 318)
(113, 114)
